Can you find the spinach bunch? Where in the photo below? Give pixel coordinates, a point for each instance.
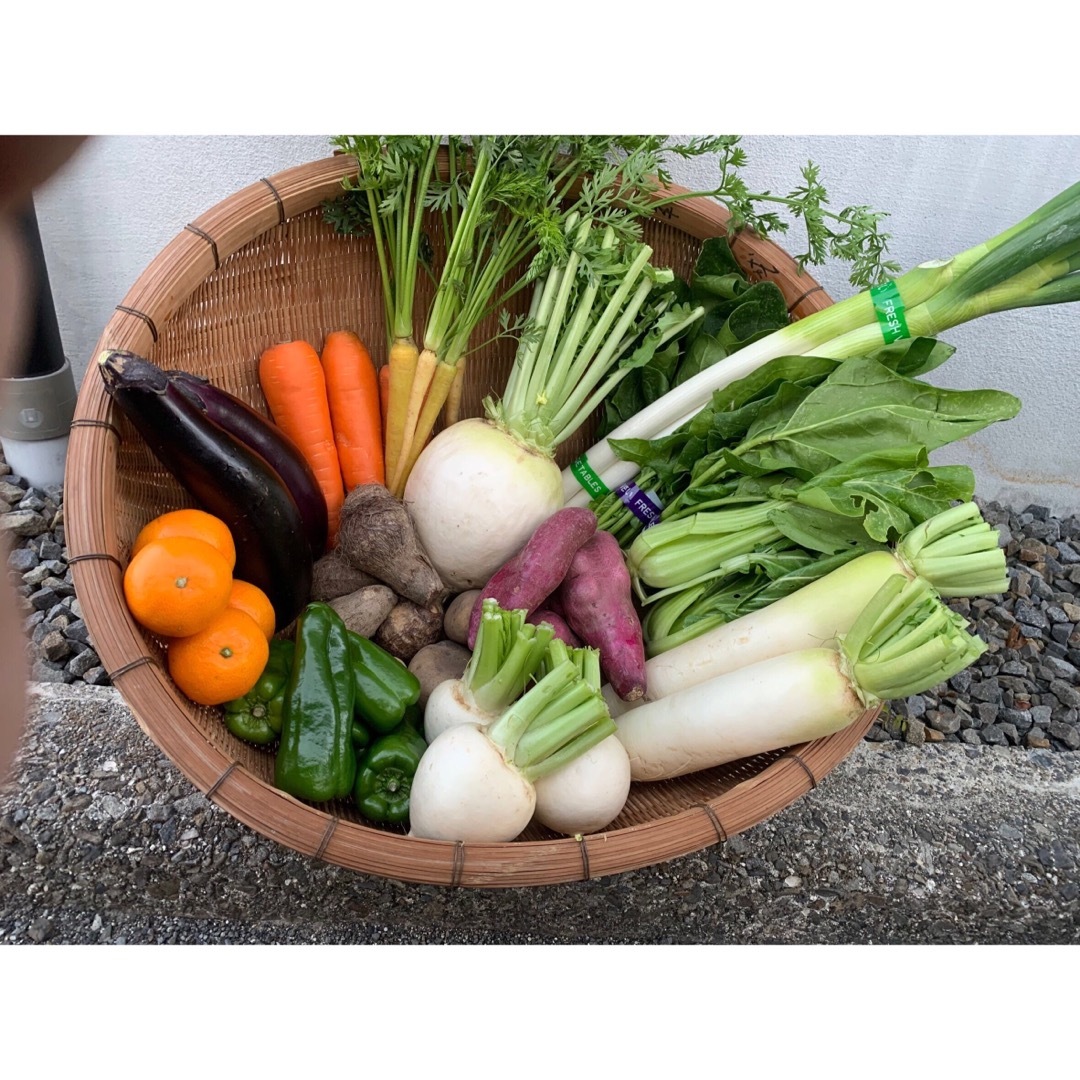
(737, 311)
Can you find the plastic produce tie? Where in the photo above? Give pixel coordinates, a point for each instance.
(643, 504)
(588, 479)
(889, 307)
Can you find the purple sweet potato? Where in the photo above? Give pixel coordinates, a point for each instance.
(599, 606)
(557, 623)
(536, 571)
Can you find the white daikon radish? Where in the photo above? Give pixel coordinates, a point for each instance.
(904, 642)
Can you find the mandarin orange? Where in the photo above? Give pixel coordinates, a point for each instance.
(176, 585)
(222, 661)
(253, 601)
(197, 524)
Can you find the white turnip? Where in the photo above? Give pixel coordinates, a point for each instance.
(475, 495)
(475, 784)
(507, 655)
(588, 794)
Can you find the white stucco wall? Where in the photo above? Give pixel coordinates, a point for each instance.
(109, 212)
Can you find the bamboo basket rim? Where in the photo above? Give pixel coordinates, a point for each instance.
(165, 716)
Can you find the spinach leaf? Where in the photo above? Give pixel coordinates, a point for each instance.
(861, 407)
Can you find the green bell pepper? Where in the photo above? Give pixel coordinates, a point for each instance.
(385, 773)
(383, 686)
(361, 737)
(256, 717)
(316, 760)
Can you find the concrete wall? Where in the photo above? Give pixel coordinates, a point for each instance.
(123, 198)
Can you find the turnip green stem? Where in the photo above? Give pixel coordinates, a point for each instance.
(561, 716)
(506, 656)
(958, 552)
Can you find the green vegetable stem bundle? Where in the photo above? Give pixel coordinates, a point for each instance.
(560, 215)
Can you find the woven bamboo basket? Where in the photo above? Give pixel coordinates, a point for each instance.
(261, 267)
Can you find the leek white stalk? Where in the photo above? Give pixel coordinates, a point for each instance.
(955, 552)
(1032, 263)
(903, 642)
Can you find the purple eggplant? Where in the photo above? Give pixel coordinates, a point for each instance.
(225, 476)
(242, 421)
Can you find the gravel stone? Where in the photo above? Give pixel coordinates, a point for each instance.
(43, 671)
(1055, 668)
(22, 559)
(1029, 615)
(915, 733)
(23, 523)
(1067, 734)
(944, 721)
(49, 549)
(1069, 696)
(82, 662)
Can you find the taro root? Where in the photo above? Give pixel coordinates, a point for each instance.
(334, 576)
(366, 609)
(408, 628)
(376, 535)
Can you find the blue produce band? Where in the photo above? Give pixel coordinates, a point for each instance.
(889, 308)
(642, 504)
(588, 479)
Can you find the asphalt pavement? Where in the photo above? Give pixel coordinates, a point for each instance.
(104, 841)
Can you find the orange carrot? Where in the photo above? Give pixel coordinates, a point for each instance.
(352, 389)
(293, 383)
(384, 392)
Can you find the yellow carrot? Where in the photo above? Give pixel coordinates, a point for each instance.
(436, 399)
(452, 408)
(403, 358)
(421, 383)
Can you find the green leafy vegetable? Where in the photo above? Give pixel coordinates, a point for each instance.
(736, 312)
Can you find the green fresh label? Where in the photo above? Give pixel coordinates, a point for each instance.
(585, 476)
(890, 312)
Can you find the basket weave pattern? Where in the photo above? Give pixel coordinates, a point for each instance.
(262, 267)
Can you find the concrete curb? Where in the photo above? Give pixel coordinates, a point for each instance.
(102, 840)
